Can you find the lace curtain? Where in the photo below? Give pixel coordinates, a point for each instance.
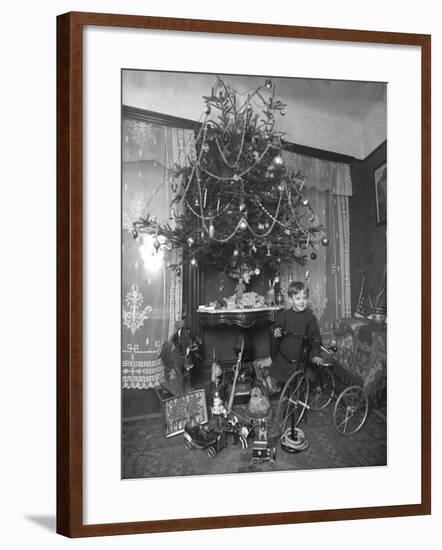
(327, 186)
(322, 175)
(151, 294)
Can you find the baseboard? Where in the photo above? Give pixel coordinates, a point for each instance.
(142, 417)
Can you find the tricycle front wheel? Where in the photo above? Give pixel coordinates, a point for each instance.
(293, 401)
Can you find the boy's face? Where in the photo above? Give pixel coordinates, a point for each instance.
(299, 301)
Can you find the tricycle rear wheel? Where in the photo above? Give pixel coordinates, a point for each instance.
(351, 409)
(322, 388)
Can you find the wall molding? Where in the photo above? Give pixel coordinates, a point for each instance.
(153, 117)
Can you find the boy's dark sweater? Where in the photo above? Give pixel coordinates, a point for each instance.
(298, 324)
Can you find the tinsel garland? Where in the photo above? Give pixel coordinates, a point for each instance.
(265, 219)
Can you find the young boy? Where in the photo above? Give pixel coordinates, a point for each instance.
(291, 327)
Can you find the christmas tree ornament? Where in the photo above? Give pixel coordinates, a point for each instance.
(156, 244)
(169, 246)
(325, 241)
(278, 260)
(178, 271)
(257, 271)
(297, 252)
(243, 224)
(239, 179)
(283, 111)
(193, 262)
(312, 219)
(305, 202)
(226, 137)
(307, 274)
(313, 256)
(278, 161)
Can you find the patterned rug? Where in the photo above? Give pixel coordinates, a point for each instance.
(147, 453)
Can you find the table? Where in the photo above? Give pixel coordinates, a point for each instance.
(243, 318)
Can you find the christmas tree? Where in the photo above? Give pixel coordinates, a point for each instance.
(238, 203)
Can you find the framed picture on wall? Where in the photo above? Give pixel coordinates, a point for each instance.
(193, 190)
(380, 187)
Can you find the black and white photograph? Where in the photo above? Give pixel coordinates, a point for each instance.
(234, 318)
(254, 274)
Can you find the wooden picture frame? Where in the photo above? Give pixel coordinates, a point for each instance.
(177, 414)
(71, 267)
(380, 190)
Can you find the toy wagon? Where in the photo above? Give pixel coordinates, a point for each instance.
(204, 438)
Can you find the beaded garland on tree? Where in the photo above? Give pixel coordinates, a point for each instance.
(240, 204)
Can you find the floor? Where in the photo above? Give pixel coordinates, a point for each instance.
(147, 453)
